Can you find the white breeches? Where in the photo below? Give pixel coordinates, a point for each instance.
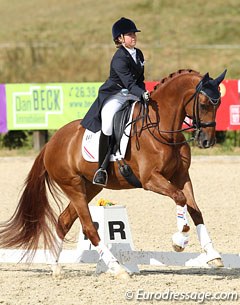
(110, 107)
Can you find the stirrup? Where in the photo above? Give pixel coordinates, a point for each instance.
(100, 177)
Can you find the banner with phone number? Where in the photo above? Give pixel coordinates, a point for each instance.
(50, 106)
(47, 106)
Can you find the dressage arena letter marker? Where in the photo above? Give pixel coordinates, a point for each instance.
(116, 227)
(114, 231)
(112, 225)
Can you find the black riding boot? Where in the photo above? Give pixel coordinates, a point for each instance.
(101, 176)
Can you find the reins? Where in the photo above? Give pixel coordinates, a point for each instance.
(146, 122)
(190, 127)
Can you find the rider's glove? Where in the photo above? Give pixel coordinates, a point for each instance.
(145, 96)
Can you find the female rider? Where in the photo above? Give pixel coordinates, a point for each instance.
(126, 82)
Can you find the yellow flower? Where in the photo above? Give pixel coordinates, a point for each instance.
(101, 202)
(104, 202)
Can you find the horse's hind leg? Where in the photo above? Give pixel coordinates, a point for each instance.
(69, 215)
(65, 222)
(80, 194)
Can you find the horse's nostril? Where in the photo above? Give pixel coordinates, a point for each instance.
(206, 144)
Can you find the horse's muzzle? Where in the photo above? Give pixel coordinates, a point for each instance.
(205, 140)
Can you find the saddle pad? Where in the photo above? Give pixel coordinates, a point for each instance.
(90, 143)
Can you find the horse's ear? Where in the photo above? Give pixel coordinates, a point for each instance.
(205, 78)
(220, 78)
(203, 81)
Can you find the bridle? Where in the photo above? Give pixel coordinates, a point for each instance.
(196, 117)
(195, 126)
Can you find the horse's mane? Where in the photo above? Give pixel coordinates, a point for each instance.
(171, 76)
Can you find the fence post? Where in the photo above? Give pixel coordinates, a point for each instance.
(39, 139)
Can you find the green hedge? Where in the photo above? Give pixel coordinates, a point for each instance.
(19, 139)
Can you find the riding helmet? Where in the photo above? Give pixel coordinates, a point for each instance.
(123, 26)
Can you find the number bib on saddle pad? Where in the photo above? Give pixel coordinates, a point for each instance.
(90, 143)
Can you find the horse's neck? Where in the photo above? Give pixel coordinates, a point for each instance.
(169, 111)
(169, 101)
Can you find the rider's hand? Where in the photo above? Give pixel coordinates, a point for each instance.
(145, 96)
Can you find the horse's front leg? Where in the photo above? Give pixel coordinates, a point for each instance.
(159, 184)
(212, 256)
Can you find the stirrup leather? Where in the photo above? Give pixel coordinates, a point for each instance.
(100, 177)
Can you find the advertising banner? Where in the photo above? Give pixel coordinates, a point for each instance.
(228, 115)
(50, 106)
(3, 114)
(47, 106)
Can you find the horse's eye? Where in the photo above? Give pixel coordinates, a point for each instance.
(203, 107)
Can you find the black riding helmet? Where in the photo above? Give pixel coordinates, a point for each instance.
(123, 26)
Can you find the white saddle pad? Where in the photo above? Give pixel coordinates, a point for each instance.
(90, 144)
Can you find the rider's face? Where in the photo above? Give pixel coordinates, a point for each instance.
(130, 40)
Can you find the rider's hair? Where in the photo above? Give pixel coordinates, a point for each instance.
(118, 41)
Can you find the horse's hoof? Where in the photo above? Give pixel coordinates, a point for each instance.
(179, 241)
(216, 263)
(122, 275)
(116, 270)
(213, 258)
(57, 272)
(177, 248)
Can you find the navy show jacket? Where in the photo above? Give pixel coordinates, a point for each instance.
(125, 73)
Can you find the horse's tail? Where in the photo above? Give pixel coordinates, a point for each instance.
(33, 217)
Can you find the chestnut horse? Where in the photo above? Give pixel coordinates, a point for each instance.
(158, 154)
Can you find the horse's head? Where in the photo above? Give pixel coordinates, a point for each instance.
(207, 99)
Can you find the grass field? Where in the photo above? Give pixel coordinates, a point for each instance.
(217, 150)
(61, 41)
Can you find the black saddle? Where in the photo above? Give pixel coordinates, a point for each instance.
(120, 121)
